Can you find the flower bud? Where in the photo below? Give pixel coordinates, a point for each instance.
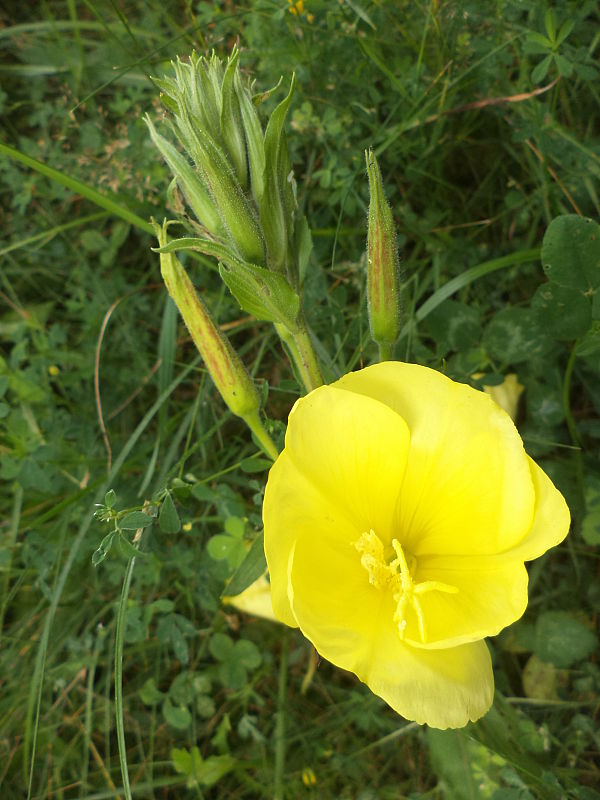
(383, 266)
(223, 363)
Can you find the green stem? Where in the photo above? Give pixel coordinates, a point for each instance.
(254, 422)
(119, 638)
(280, 724)
(302, 353)
(385, 351)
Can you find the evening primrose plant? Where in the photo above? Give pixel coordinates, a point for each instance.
(401, 512)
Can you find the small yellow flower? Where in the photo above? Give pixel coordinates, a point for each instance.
(308, 777)
(53, 371)
(187, 527)
(397, 522)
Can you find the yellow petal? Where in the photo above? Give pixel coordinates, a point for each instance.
(467, 488)
(294, 508)
(255, 600)
(492, 593)
(333, 602)
(354, 449)
(551, 518)
(350, 624)
(440, 688)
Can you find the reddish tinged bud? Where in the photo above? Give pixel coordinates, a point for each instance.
(383, 265)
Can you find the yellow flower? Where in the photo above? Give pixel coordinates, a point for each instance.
(397, 522)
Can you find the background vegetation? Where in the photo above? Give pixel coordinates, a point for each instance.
(485, 117)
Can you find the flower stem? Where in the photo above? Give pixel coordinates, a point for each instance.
(302, 353)
(385, 351)
(280, 724)
(254, 422)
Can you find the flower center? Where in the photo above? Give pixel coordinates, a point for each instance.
(396, 573)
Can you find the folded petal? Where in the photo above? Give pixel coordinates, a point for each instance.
(467, 488)
(551, 518)
(354, 449)
(333, 602)
(295, 508)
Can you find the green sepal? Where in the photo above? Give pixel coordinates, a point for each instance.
(264, 294)
(275, 222)
(303, 245)
(231, 122)
(194, 191)
(254, 138)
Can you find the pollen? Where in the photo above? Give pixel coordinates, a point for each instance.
(397, 575)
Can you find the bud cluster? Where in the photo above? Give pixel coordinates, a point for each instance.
(237, 181)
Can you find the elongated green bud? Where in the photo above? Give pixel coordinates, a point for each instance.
(232, 130)
(222, 362)
(383, 265)
(194, 191)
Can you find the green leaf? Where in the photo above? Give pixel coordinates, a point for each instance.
(251, 568)
(247, 654)
(562, 640)
(235, 526)
(565, 30)
(452, 762)
(128, 549)
(168, 519)
(539, 73)
(564, 312)
(110, 498)
(226, 548)
(264, 294)
(149, 694)
(539, 679)
(135, 520)
(232, 674)
(514, 335)
(178, 717)
(455, 325)
(214, 768)
(571, 253)
(550, 24)
(221, 646)
(103, 549)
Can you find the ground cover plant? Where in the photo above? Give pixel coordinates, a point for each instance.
(118, 656)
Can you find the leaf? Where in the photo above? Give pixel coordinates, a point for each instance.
(571, 253)
(178, 717)
(103, 549)
(168, 519)
(539, 679)
(562, 640)
(564, 312)
(247, 654)
(221, 646)
(149, 694)
(235, 527)
(251, 568)
(539, 73)
(264, 294)
(135, 520)
(110, 498)
(452, 762)
(514, 335)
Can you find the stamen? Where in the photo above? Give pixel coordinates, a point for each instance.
(397, 572)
